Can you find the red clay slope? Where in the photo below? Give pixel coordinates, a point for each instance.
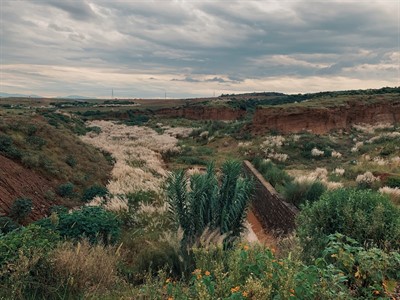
(17, 181)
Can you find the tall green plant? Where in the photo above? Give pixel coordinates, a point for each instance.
(198, 202)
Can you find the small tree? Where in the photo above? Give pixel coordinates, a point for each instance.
(199, 202)
(20, 209)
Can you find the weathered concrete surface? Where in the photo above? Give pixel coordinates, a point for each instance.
(273, 213)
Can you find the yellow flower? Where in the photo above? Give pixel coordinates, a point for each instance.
(235, 289)
(168, 280)
(207, 273)
(245, 247)
(170, 298)
(245, 294)
(199, 276)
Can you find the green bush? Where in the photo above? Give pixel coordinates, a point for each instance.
(20, 209)
(298, 193)
(157, 256)
(7, 225)
(26, 241)
(71, 161)
(368, 272)
(393, 182)
(65, 189)
(366, 216)
(271, 172)
(93, 191)
(91, 222)
(35, 142)
(8, 148)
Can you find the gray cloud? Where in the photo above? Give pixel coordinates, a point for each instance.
(200, 46)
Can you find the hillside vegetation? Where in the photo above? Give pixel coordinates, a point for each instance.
(47, 148)
(160, 205)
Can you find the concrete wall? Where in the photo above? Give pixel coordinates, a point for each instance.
(274, 214)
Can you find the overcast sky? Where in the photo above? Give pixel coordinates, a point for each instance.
(197, 48)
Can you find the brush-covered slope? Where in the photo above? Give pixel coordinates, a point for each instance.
(37, 159)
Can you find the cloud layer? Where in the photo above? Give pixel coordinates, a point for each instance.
(196, 48)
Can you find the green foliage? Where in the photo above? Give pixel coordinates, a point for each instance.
(20, 209)
(27, 241)
(91, 222)
(255, 273)
(66, 190)
(8, 148)
(156, 256)
(271, 172)
(136, 120)
(298, 193)
(7, 225)
(366, 216)
(36, 142)
(367, 271)
(93, 191)
(393, 182)
(206, 204)
(71, 161)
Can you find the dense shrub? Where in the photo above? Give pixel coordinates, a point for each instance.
(35, 142)
(368, 271)
(71, 161)
(7, 225)
(26, 241)
(8, 148)
(65, 189)
(393, 182)
(271, 172)
(93, 191)
(91, 222)
(366, 216)
(157, 256)
(298, 193)
(23, 254)
(20, 209)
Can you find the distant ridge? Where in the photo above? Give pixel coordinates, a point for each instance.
(75, 97)
(5, 95)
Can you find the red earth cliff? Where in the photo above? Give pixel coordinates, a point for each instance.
(320, 120)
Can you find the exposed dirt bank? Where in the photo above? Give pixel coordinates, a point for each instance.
(320, 120)
(17, 181)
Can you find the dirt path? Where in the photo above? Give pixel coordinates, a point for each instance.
(264, 238)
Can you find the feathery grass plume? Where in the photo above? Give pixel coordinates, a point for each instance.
(84, 268)
(393, 193)
(317, 152)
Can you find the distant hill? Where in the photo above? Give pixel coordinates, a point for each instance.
(75, 97)
(6, 95)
